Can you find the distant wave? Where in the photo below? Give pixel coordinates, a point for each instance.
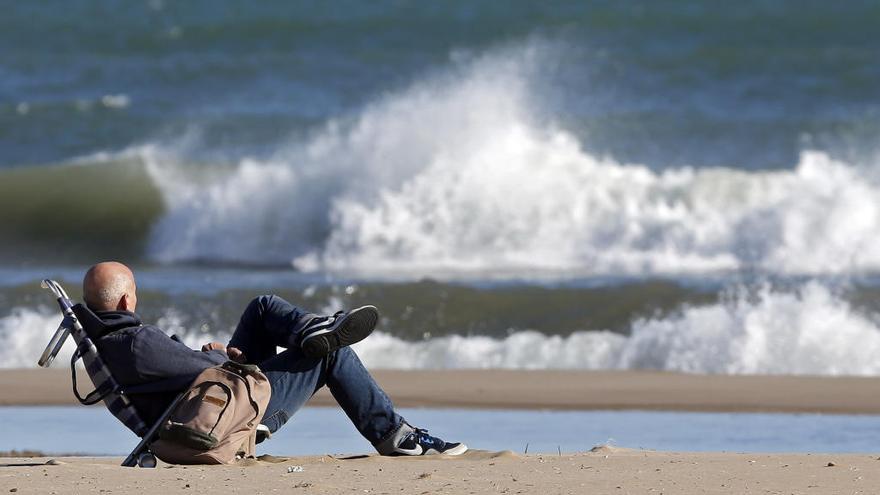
(104, 205)
(456, 173)
(808, 330)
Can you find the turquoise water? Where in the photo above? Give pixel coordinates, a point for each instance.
(319, 430)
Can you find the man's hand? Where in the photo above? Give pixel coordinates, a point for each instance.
(213, 346)
(236, 355)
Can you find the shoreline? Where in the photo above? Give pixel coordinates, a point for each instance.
(552, 390)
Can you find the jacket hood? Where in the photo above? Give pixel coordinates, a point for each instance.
(111, 321)
(100, 323)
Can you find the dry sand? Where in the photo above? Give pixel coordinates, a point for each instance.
(610, 471)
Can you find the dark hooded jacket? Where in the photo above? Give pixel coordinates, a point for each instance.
(138, 354)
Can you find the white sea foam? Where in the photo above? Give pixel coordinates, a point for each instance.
(455, 173)
(116, 101)
(25, 331)
(809, 330)
(542, 203)
(283, 208)
(24, 334)
(521, 350)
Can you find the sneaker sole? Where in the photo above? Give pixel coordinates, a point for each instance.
(355, 327)
(457, 450)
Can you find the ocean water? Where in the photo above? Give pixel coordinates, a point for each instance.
(323, 430)
(590, 185)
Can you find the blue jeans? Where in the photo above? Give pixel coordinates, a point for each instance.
(270, 322)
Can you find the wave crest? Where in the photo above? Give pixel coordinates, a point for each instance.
(806, 331)
(809, 331)
(528, 202)
(456, 173)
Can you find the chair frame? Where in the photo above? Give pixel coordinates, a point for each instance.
(115, 396)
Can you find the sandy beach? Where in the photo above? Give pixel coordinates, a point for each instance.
(607, 470)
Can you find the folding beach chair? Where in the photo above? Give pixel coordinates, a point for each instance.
(107, 389)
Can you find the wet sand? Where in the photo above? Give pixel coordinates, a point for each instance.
(563, 390)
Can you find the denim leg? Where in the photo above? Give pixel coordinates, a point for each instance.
(364, 402)
(268, 322)
(295, 378)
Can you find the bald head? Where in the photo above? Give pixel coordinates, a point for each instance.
(109, 286)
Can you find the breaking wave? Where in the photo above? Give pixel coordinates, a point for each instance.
(806, 331)
(460, 172)
(809, 331)
(24, 334)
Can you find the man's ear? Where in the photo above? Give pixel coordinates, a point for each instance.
(123, 303)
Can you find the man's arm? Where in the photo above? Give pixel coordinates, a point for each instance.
(158, 356)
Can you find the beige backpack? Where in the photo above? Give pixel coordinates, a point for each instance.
(216, 420)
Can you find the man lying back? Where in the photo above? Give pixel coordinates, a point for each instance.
(316, 354)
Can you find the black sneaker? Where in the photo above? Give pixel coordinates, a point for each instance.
(420, 443)
(325, 334)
